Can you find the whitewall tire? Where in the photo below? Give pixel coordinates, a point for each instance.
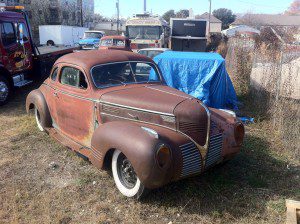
(38, 119)
(125, 177)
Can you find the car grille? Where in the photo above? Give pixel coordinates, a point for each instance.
(191, 127)
(214, 150)
(191, 159)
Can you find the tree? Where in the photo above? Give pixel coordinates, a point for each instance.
(183, 13)
(168, 15)
(294, 8)
(225, 15)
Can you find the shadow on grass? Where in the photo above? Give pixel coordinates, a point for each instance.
(16, 105)
(243, 186)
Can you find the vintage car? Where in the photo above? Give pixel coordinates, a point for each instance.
(114, 43)
(115, 109)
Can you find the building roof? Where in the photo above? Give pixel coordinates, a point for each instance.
(268, 19)
(205, 15)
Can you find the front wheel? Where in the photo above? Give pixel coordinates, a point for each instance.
(125, 177)
(5, 91)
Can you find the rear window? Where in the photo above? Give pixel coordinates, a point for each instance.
(124, 73)
(112, 42)
(73, 77)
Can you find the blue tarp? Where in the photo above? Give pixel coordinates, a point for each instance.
(201, 75)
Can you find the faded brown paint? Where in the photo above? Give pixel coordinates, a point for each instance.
(93, 121)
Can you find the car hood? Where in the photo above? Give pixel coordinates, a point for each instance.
(89, 41)
(156, 98)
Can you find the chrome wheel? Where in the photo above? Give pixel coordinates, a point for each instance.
(126, 172)
(125, 177)
(4, 91)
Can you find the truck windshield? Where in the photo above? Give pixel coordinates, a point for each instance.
(124, 73)
(144, 32)
(88, 35)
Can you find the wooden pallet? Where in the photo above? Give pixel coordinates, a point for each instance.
(292, 212)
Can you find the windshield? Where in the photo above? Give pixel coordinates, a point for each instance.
(88, 35)
(124, 73)
(112, 42)
(144, 32)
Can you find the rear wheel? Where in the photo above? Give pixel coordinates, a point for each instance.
(125, 177)
(38, 119)
(5, 91)
(50, 43)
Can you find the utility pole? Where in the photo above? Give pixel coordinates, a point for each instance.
(145, 6)
(118, 16)
(81, 14)
(209, 17)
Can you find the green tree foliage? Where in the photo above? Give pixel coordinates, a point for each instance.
(225, 15)
(183, 13)
(168, 15)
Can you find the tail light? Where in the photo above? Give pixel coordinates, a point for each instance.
(239, 132)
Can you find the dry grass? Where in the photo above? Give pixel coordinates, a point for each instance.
(249, 189)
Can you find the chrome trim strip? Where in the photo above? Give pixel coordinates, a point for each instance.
(135, 108)
(74, 95)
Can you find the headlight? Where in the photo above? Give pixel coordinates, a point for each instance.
(163, 156)
(96, 45)
(239, 132)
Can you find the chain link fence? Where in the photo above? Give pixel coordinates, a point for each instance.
(269, 75)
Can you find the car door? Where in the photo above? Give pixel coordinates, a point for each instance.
(73, 105)
(10, 45)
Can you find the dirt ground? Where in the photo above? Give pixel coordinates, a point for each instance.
(44, 182)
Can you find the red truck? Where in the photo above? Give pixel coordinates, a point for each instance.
(21, 62)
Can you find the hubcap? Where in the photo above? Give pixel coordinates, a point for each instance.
(3, 91)
(126, 172)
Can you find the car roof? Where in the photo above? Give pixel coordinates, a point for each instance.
(114, 37)
(155, 49)
(88, 59)
(94, 31)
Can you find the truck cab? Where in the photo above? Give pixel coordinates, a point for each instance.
(16, 51)
(20, 61)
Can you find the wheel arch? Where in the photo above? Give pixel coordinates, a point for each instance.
(36, 99)
(135, 143)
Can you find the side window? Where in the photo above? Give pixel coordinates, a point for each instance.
(22, 32)
(8, 34)
(73, 77)
(54, 74)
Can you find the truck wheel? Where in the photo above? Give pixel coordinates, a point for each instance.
(5, 90)
(50, 43)
(38, 119)
(125, 177)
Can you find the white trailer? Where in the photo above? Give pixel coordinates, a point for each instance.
(60, 35)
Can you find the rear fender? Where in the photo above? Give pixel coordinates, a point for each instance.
(36, 99)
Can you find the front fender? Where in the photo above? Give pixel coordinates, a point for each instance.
(136, 144)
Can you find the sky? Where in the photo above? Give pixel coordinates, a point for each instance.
(107, 8)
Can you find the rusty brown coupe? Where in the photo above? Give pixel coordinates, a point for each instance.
(115, 109)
